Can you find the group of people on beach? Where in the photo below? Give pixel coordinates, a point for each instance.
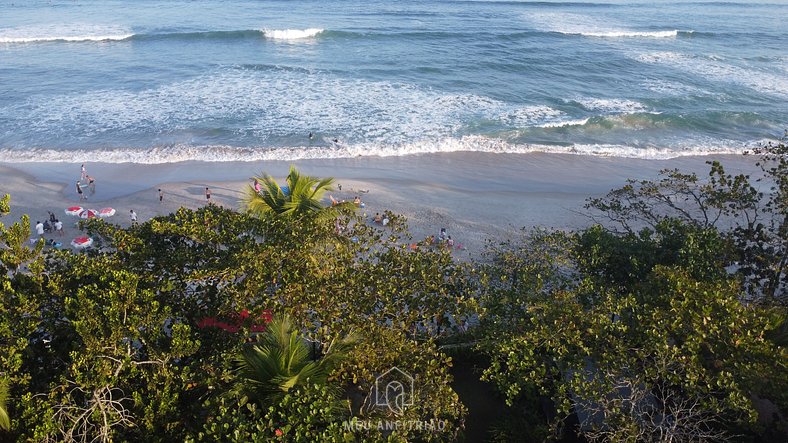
(53, 224)
(446, 239)
(85, 181)
(87, 184)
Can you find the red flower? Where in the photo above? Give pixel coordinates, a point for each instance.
(279, 433)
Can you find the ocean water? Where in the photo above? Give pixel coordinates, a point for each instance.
(158, 81)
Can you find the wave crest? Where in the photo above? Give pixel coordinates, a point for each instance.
(223, 153)
(66, 33)
(291, 34)
(622, 33)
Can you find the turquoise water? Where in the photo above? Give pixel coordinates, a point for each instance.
(160, 81)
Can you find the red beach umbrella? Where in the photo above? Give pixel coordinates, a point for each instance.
(88, 213)
(106, 212)
(74, 210)
(82, 242)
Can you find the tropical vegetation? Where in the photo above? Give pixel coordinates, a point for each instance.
(663, 321)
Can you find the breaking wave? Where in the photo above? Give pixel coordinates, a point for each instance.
(291, 34)
(223, 153)
(65, 33)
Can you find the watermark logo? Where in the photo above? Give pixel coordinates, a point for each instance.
(393, 389)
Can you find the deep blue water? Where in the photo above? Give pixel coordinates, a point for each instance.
(167, 80)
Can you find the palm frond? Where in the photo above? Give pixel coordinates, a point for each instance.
(304, 196)
(281, 360)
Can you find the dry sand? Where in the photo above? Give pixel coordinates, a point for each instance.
(476, 196)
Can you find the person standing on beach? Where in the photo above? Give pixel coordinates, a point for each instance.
(84, 172)
(133, 217)
(208, 195)
(81, 194)
(91, 185)
(59, 227)
(161, 195)
(40, 229)
(256, 186)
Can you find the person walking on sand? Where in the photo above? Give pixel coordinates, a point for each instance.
(133, 217)
(161, 195)
(208, 195)
(81, 194)
(59, 227)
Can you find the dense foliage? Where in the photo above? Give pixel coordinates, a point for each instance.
(115, 343)
(670, 329)
(666, 323)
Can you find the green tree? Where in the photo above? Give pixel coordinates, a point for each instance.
(644, 337)
(749, 212)
(131, 358)
(22, 283)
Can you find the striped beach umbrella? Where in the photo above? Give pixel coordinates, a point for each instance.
(74, 210)
(82, 242)
(106, 212)
(88, 213)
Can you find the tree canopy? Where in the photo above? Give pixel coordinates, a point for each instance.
(666, 321)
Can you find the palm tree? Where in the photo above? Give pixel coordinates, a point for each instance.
(5, 421)
(281, 360)
(302, 196)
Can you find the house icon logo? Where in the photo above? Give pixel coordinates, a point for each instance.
(393, 389)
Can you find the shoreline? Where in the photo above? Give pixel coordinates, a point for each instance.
(476, 196)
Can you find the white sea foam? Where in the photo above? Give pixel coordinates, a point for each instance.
(266, 106)
(271, 103)
(715, 68)
(222, 153)
(670, 88)
(561, 124)
(611, 105)
(530, 116)
(291, 34)
(68, 33)
(588, 26)
(625, 33)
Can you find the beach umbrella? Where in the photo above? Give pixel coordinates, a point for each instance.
(82, 242)
(106, 212)
(88, 213)
(74, 210)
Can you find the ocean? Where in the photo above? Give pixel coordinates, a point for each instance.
(162, 81)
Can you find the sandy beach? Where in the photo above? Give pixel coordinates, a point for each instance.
(476, 196)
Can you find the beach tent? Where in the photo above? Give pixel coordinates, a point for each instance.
(82, 242)
(74, 210)
(106, 212)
